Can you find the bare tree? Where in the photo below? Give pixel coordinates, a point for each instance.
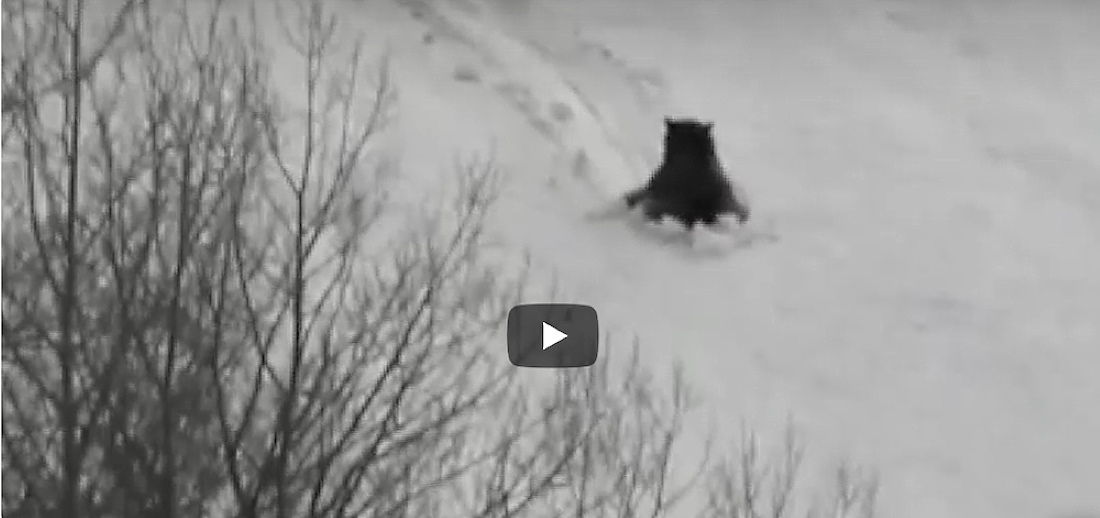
(198, 317)
(210, 307)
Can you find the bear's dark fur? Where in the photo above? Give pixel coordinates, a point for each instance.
(690, 184)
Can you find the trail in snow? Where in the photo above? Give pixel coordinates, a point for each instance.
(553, 106)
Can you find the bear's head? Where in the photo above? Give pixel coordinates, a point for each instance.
(690, 137)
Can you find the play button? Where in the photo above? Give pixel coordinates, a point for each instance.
(553, 335)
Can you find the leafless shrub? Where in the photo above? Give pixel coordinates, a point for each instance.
(751, 485)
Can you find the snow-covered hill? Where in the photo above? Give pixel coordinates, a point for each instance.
(933, 305)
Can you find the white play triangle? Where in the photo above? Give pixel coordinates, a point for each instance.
(551, 336)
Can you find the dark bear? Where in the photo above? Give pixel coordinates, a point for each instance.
(690, 184)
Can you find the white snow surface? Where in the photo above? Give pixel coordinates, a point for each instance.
(932, 306)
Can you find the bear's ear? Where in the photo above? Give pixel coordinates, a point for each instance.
(669, 122)
(708, 125)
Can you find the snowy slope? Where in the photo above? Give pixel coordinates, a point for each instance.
(931, 308)
(933, 305)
